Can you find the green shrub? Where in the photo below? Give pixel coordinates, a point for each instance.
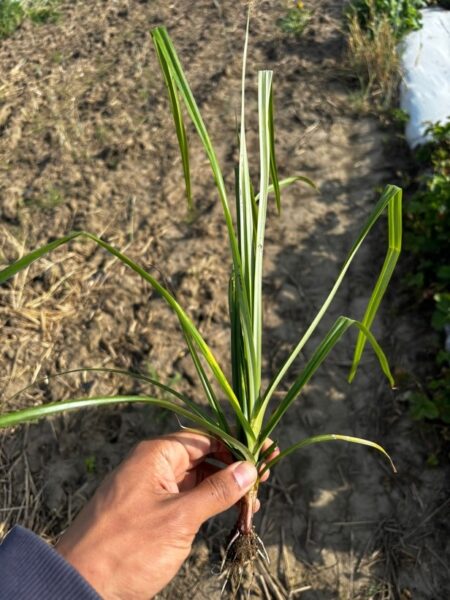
(14, 12)
(428, 214)
(428, 240)
(43, 11)
(296, 19)
(11, 16)
(403, 15)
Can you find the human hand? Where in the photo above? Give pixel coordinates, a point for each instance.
(135, 533)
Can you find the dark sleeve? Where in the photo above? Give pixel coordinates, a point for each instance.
(30, 569)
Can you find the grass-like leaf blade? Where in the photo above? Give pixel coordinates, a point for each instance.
(329, 437)
(130, 374)
(47, 410)
(392, 196)
(185, 322)
(336, 332)
(394, 249)
(168, 54)
(264, 91)
(273, 160)
(178, 121)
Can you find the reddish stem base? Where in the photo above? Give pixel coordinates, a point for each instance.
(247, 508)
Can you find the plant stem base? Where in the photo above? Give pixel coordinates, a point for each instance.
(242, 550)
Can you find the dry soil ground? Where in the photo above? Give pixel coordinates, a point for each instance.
(86, 141)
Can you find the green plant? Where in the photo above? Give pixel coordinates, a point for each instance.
(402, 15)
(90, 464)
(51, 198)
(12, 14)
(296, 19)
(428, 213)
(252, 423)
(427, 239)
(43, 11)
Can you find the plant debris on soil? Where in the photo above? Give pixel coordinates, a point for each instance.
(86, 142)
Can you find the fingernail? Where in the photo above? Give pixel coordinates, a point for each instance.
(245, 474)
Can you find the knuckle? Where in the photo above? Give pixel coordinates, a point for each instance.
(142, 448)
(150, 448)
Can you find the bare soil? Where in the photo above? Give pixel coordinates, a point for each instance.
(87, 142)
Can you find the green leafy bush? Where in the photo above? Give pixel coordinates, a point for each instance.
(12, 14)
(296, 19)
(427, 239)
(403, 15)
(428, 214)
(44, 11)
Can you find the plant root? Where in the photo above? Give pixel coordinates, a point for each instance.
(237, 567)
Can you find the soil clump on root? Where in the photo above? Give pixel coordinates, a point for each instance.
(239, 562)
(244, 548)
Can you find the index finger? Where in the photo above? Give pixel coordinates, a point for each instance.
(186, 449)
(275, 452)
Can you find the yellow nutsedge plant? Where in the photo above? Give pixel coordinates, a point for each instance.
(252, 423)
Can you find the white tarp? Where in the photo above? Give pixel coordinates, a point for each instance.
(425, 89)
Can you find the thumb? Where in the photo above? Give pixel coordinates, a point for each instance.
(221, 490)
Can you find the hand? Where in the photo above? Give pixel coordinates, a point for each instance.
(133, 536)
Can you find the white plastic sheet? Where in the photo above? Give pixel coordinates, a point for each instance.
(425, 89)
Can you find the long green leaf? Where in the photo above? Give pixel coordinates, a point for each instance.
(391, 196)
(264, 92)
(244, 206)
(209, 392)
(179, 124)
(341, 325)
(329, 437)
(235, 338)
(186, 324)
(168, 54)
(249, 366)
(47, 410)
(395, 246)
(132, 375)
(273, 160)
(244, 282)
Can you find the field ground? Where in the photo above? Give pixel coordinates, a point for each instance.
(87, 142)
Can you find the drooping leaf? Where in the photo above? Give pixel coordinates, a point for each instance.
(168, 54)
(185, 322)
(393, 253)
(336, 332)
(130, 374)
(392, 197)
(178, 121)
(330, 437)
(47, 410)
